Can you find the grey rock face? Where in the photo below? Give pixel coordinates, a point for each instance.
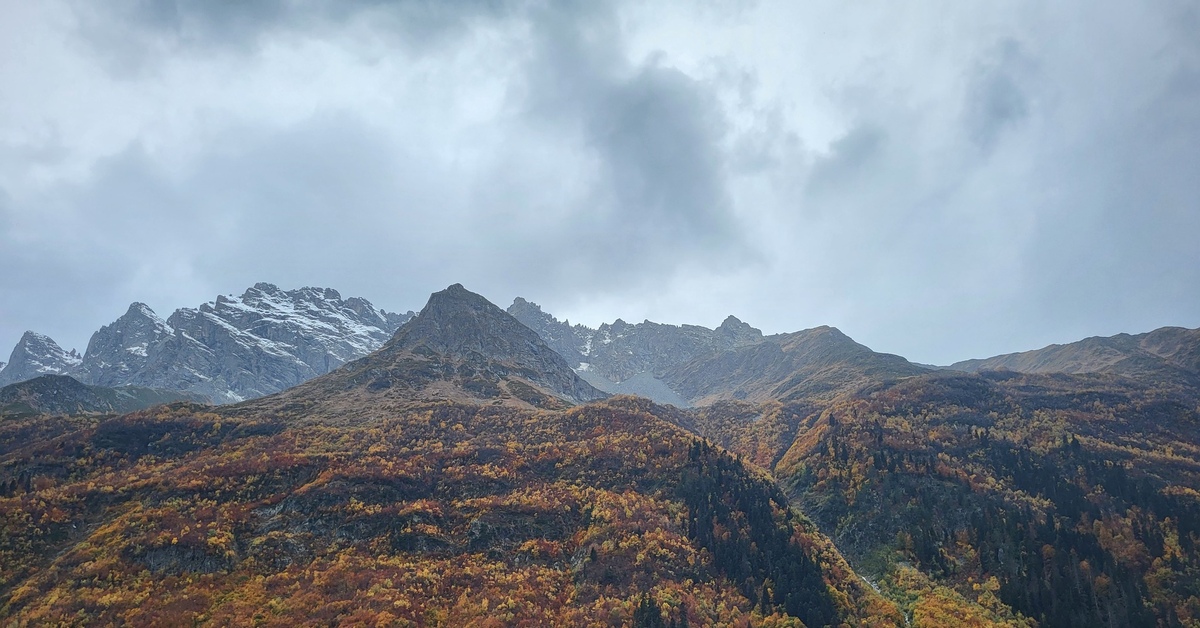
(638, 354)
(262, 342)
(227, 350)
(642, 385)
(688, 364)
(733, 333)
(121, 350)
(463, 325)
(566, 340)
(36, 355)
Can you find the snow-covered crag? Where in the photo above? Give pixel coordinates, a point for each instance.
(37, 355)
(627, 358)
(233, 348)
(120, 352)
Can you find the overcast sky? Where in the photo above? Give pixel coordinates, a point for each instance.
(941, 180)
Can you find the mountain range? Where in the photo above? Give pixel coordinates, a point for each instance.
(226, 350)
(692, 365)
(267, 340)
(465, 471)
(1168, 354)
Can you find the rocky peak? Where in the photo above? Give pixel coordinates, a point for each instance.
(139, 309)
(228, 349)
(457, 322)
(467, 328)
(619, 352)
(520, 305)
(734, 333)
(567, 341)
(266, 340)
(37, 354)
(263, 287)
(120, 349)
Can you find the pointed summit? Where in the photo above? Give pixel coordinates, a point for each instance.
(459, 323)
(123, 348)
(569, 342)
(463, 326)
(37, 354)
(734, 333)
(521, 302)
(460, 347)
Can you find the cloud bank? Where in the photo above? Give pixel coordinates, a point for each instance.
(939, 181)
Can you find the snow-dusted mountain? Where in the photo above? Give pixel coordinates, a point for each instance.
(629, 358)
(120, 351)
(36, 355)
(227, 350)
(687, 365)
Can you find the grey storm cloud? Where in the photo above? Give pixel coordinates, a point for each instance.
(321, 200)
(659, 195)
(136, 27)
(940, 182)
(995, 99)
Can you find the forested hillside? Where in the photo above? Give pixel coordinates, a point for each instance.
(1051, 500)
(446, 515)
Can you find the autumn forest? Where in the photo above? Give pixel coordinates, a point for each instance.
(455, 479)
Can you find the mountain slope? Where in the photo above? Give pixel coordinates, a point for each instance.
(620, 351)
(119, 353)
(459, 347)
(690, 365)
(61, 394)
(374, 496)
(1169, 355)
(35, 355)
(821, 362)
(1065, 499)
(464, 326)
(447, 515)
